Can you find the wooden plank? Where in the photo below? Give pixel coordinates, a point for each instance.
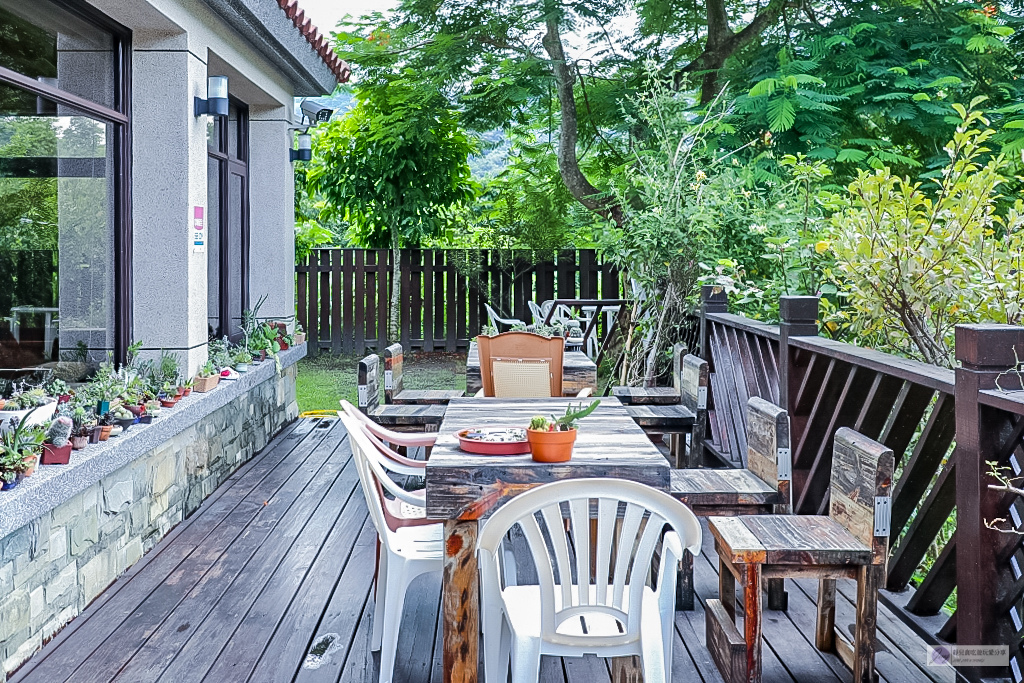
(727, 646)
(324, 337)
(405, 298)
(451, 311)
(301, 294)
(462, 293)
(934, 512)
(416, 299)
(473, 304)
(312, 305)
(440, 309)
(932, 447)
(349, 321)
(428, 300)
(938, 584)
(360, 313)
(336, 276)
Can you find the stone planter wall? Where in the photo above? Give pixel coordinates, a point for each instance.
(69, 531)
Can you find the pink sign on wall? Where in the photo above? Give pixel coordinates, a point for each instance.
(198, 229)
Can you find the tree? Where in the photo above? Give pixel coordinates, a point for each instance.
(395, 168)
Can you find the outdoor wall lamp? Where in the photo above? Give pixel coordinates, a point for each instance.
(216, 102)
(304, 152)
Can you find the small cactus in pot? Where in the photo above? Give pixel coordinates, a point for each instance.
(57, 447)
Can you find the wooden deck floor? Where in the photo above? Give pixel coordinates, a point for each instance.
(280, 560)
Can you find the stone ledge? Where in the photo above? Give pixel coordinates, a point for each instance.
(52, 485)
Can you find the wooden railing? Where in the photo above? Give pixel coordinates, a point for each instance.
(343, 295)
(944, 427)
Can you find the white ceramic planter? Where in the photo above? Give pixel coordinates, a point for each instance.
(42, 415)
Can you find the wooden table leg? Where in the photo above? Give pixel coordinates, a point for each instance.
(824, 633)
(460, 602)
(684, 583)
(727, 588)
(778, 599)
(752, 621)
(869, 580)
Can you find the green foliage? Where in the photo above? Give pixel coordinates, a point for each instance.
(394, 167)
(919, 259)
(308, 236)
(570, 420)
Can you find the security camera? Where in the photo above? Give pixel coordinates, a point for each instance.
(315, 112)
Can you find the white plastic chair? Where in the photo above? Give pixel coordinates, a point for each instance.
(615, 614)
(495, 319)
(407, 439)
(409, 544)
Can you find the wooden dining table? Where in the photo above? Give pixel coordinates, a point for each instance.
(578, 372)
(462, 489)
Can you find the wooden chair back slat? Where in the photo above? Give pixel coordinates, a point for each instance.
(861, 488)
(769, 456)
(393, 383)
(368, 383)
(521, 346)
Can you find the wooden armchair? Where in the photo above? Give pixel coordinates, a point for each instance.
(521, 365)
(763, 488)
(851, 542)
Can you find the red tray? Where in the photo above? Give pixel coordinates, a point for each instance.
(491, 447)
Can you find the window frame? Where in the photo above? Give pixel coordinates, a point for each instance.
(120, 119)
(229, 163)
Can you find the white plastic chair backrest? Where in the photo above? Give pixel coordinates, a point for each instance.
(538, 314)
(622, 555)
(389, 459)
(372, 477)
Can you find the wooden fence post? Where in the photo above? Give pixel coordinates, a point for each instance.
(986, 354)
(798, 318)
(713, 299)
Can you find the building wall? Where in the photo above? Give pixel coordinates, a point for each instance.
(176, 44)
(52, 567)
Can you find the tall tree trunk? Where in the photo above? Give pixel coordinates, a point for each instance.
(568, 128)
(395, 319)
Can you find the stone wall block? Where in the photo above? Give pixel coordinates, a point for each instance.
(118, 495)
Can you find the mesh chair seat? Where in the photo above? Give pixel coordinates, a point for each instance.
(521, 377)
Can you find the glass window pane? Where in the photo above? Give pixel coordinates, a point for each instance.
(232, 126)
(42, 40)
(56, 236)
(236, 190)
(213, 249)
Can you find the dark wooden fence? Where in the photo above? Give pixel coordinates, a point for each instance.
(343, 295)
(944, 426)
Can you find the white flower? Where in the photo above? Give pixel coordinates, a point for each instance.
(758, 229)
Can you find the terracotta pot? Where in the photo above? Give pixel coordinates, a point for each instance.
(30, 465)
(188, 390)
(79, 442)
(282, 343)
(300, 338)
(168, 402)
(551, 446)
(105, 432)
(54, 455)
(134, 410)
(204, 384)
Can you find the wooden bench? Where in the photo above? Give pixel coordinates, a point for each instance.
(394, 384)
(657, 396)
(424, 418)
(851, 542)
(763, 488)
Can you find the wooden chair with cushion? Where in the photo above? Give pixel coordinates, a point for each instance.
(851, 542)
(521, 365)
(394, 383)
(762, 488)
(422, 418)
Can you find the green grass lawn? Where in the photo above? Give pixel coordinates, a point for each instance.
(325, 379)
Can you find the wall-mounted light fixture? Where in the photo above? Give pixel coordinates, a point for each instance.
(216, 102)
(304, 151)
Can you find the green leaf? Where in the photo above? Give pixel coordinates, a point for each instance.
(851, 154)
(781, 114)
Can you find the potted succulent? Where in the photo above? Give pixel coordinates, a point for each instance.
(9, 468)
(207, 378)
(22, 444)
(299, 335)
(242, 359)
(189, 383)
(57, 447)
(551, 440)
(32, 407)
(60, 389)
(105, 422)
(167, 399)
(122, 418)
(152, 411)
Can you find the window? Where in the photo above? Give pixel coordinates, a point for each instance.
(228, 229)
(65, 235)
